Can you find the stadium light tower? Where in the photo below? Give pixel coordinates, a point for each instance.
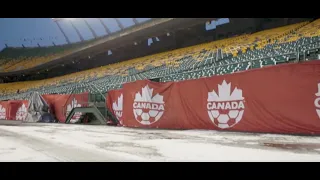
(56, 20)
(90, 28)
(105, 26)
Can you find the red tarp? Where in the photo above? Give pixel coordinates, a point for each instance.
(115, 103)
(60, 105)
(18, 110)
(13, 110)
(3, 110)
(276, 99)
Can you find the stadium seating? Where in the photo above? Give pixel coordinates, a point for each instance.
(14, 59)
(265, 48)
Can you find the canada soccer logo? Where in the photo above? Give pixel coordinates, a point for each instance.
(2, 113)
(225, 109)
(21, 113)
(317, 101)
(117, 107)
(75, 118)
(147, 109)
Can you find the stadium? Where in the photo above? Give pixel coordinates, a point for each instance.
(170, 78)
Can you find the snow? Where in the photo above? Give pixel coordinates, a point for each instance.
(12, 151)
(210, 152)
(63, 142)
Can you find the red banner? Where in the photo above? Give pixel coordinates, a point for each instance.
(3, 110)
(276, 99)
(13, 110)
(56, 103)
(18, 110)
(115, 103)
(61, 105)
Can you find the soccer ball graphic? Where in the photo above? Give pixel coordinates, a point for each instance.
(2, 113)
(147, 109)
(117, 108)
(21, 113)
(225, 109)
(75, 118)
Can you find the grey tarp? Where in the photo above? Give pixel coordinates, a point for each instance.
(37, 108)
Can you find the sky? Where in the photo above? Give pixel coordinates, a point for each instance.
(13, 31)
(30, 31)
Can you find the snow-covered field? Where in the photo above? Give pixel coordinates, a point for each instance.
(63, 142)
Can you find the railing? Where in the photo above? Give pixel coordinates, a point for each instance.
(304, 52)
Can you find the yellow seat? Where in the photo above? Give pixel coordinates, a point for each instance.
(199, 53)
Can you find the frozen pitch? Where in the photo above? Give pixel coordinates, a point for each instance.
(62, 142)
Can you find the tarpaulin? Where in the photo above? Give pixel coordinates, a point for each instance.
(3, 110)
(17, 110)
(62, 104)
(151, 104)
(115, 103)
(76, 100)
(37, 107)
(276, 99)
(56, 103)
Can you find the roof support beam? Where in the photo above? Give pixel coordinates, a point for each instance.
(90, 28)
(78, 32)
(105, 26)
(119, 23)
(135, 21)
(61, 30)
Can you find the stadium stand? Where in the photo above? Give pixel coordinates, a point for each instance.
(14, 59)
(285, 44)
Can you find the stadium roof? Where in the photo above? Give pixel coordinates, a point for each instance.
(138, 32)
(45, 32)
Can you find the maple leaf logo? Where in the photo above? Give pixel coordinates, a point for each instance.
(148, 109)
(117, 107)
(2, 113)
(225, 108)
(21, 113)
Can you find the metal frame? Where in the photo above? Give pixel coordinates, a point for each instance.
(94, 34)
